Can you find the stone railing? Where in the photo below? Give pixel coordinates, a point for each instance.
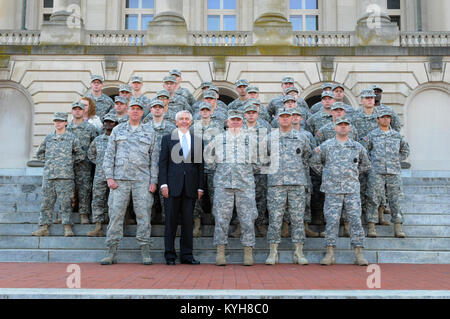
(424, 39)
(220, 38)
(115, 38)
(19, 37)
(324, 39)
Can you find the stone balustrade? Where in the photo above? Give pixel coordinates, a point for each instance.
(220, 38)
(424, 39)
(323, 39)
(115, 38)
(19, 37)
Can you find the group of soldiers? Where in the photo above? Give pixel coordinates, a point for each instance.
(264, 166)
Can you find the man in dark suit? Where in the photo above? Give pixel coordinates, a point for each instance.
(181, 180)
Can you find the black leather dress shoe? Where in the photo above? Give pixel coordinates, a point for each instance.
(190, 262)
(170, 262)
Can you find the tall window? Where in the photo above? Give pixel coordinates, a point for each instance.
(221, 15)
(394, 11)
(304, 15)
(138, 13)
(47, 10)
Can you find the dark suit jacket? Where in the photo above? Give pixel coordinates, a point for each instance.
(177, 172)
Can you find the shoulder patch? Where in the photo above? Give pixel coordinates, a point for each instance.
(319, 134)
(366, 138)
(317, 149)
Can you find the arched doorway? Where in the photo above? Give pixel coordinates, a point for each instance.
(313, 94)
(227, 94)
(16, 125)
(427, 127)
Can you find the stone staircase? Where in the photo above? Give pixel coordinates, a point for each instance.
(427, 225)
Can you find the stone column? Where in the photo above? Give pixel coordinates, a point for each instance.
(168, 26)
(271, 27)
(9, 19)
(66, 25)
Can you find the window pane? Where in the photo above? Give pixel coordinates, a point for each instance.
(148, 4)
(393, 4)
(295, 4)
(229, 4)
(396, 19)
(311, 4)
(312, 23)
(229, 23)
(146, 18)
(131, 22)
(213, 4)
(132, 4)
(297, 23)
(213, 23)
(48, 3)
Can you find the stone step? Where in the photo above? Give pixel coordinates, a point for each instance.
(439, 189)
(427, 198)
(14, 189)
(425, 207)
(426, 181)
(28, 180)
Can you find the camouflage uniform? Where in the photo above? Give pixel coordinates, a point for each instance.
(341, 164)
(85, 133)
(396, 123)
(233, 158)
(287, 181)
(238, 105)
(318, 120)
(316, 107)
(186, 95)
(277, 103)
(386, 150)
(60, 153)
(131, 159)
(146, 102)
(327, 132)
(103, 104)
(177, 103)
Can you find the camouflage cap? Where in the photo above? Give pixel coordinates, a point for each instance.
(292, 89)
(163, 93)
(110, 117)
(121, 99)
(126, 88)
(249, 107)
(285, 111)
(254, 102)
(96, 77)
(156, 102)
(78, 104)
(382, 111)
(241, 82)
(338, 105)
(235, 114)
(327, 93)
(337, 86)
(170, 78)
(175, 72)
(214, 88)
(206, 84)
(137, 102)
(342, 120)
(376, 87)
(367, 93)
(205, 105)
(60, 116)
(288, 79)
(289, 98)
(136, 78)
(252, 89)
(296, 111)
(210, 94)
(327, 85)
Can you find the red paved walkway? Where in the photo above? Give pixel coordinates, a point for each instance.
(282, 276)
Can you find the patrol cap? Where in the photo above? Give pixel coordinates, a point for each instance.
(288, 79)
(60, 116)
(137, 102)
(214, 88)
(376, 87)
(327, 85)
(292, 89)
(289, 98)
(156, 102)
(367, 93)
(250, 107)
(252, 89)
(210, 94)
(78, 104)
(136, 78)
(285, 111)
(175, 72)
(337, 86)
(296, 111)
(342, 120)
(163, 93)
(110, 117)
(121, 99)
(235, 114)
(383, 111)
(327, 93)
(241, 82)
(170, 78)
(338, 105)
(254, 102)
(126, 88)
(205, 105)
(206, 84)
(96, 77)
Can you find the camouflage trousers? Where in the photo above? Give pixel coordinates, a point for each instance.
(261, 198)
(224, 199)
(83, 186)
(142, 203)
(332, 211)
(201, 205)
(100, 193)
(53, 189)
(290, 199)
(382, 186)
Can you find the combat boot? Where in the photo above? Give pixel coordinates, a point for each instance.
(42, 231)
(322, 234)
(97, 232)
(262, 230)
(371, 230)
(381, 220)
(68, 231)
(145, 252)
(197, 232)
(272, 259)
(111, 257)
(299, 258)
(329, 257)
(285, 230)
(248, 256)
(310, 233)
(398, 231)
(359, 257)
(346, 229)
(220, 256)
(237, 231)
(84, 219)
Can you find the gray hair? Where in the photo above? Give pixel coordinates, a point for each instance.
(183, 112)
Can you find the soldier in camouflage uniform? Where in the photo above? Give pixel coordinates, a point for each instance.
(205, 86)
(183, 91)
(318, 106)
(241, 89)
(85, 133)
(278, 102)
(291, 103)
(339, 94)
(103, 103)
(177, 102)
(131, 168)
(137, 83)
(60, 151)
(217, 114)
(300, 101)
(288, 154)
(387, 148)
(100, 190)
(126, 91)
(340, 160)
(220, 104)
(253, 97)
(233, 156)
(396, 123)
(262, 112)
(121, 109)
(208, 128)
